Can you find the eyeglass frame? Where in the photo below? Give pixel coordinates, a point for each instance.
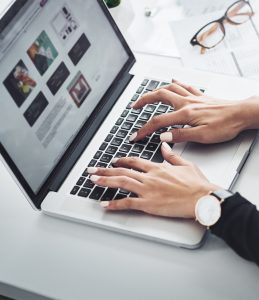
(194, 41)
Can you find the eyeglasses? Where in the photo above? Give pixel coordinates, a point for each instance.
(210, 35)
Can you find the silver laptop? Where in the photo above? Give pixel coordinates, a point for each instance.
(66, 85)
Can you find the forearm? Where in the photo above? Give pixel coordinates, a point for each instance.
(239, 227)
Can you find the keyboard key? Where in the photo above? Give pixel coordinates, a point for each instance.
(145, 82)
(103, 146)
(140, 123)
(98, 154)
(140, 90)
(116, 142)
(161, 130)
(150, 108)
(144, 141)
(97, 193)
(133, 154)
(84, 192)
(133, 130)
(146, 155)
(119, 122)
(127, 141)
(111, 150)
(122, 191)
(129, 105)
(145, 116)
(138, 148)
(133, 195)
(106, 158)
(153, 84)
(162, 108)
(125, 113)
(109, 194)
(136, 111)
(125, 148)
(158, 157)
(155, 139)
(89, 184)
(92, 163)
(135, 97)
(151, 147)
(80, 181)
(120, 196)
(164, 84)
(85, 173)
(101, 165)
(120, 154)
(122, 134)
(131, 118)
(74, 190)
(108, 138)
(126, 125)
(114, 129)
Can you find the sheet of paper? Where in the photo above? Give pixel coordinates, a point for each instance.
(201, 7)
(237, 55)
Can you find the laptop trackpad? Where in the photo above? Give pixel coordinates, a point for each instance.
(215, 160)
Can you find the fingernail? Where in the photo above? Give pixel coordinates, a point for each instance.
(166, 147)
(92, 170)
(104, 204)
(94, 178)
(132, 105)
(166, 137)
(133, 136)
(114, 160)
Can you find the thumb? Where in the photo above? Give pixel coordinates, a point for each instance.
(171, 157)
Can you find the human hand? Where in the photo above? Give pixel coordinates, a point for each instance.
(168, 189)
(211, 120)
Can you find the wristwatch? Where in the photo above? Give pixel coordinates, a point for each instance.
(208, 208)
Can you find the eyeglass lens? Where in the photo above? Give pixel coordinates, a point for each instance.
(212, 34)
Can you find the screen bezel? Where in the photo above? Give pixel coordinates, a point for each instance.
(58, 174)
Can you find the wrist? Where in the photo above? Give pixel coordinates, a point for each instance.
(248, 113)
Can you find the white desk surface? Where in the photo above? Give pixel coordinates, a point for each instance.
(40, 255)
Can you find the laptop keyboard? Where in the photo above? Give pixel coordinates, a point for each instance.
(117, 144)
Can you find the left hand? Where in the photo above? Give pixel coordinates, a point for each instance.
(169, 190)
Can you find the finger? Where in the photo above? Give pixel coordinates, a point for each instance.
(163, 95)
(179, 90)
(122, 182)
(171, 157)
(157, 122)
(135, 163)
(189, 88)
(191, 134)
(123, 204)
(116, 172)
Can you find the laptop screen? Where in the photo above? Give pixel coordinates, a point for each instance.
(57, 60)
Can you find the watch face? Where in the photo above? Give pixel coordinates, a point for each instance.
(208, 210)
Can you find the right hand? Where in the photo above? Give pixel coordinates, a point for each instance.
(211, 120)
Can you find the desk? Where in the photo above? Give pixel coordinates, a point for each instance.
(42, 257)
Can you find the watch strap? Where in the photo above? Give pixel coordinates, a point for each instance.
(221, 194)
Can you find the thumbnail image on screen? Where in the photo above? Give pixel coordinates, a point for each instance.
(19, 83)
(42, 53)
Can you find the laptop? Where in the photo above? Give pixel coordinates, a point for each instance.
(67, 82)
